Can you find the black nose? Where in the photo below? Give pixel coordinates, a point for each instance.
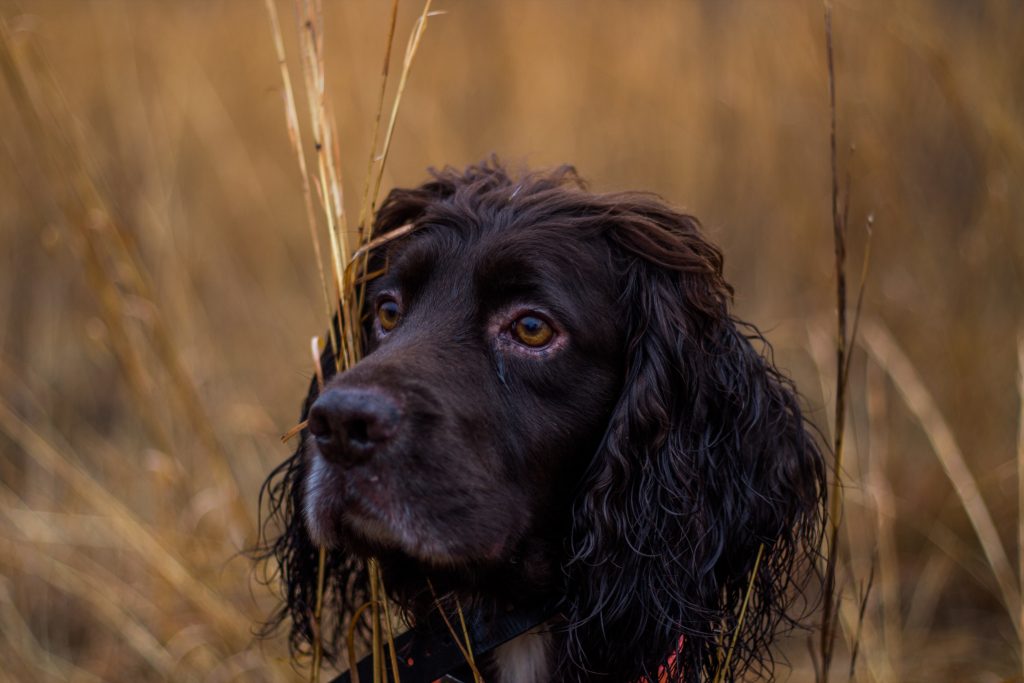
(353, 424)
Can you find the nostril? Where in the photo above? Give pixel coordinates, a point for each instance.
(327, 438)
(317, 424)
(358, 432)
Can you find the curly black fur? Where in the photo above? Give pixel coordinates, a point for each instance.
(651, 532)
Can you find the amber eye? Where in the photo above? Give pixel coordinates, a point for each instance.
(532, 331)
(387, 314)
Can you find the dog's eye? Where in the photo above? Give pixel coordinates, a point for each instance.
(388, 314)
(532, 331)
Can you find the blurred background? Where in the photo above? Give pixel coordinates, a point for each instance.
(158, 289)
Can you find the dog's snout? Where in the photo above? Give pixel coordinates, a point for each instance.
(351, 425)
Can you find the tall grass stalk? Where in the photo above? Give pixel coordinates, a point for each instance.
(348, 261)
(723, 670)
(469, 642)
(373, 570)
(350, 641)
(392, 652)
(419, 28)
(835, 496)
(865, 595)
(327, 181)
(465, 648)
(310, 66)
(860, 635)
(885, 516)
(364, 208)
(1020, 493)
(295, 137)
(844, 343)
(884, 350)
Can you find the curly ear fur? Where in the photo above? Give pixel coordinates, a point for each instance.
(706, 459)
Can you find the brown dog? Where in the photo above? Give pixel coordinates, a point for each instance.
(556, 407)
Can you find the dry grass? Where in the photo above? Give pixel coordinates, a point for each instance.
(157, 290)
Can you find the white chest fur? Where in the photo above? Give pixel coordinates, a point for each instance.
(525, 658)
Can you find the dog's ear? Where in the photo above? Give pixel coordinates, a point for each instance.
(706, 461)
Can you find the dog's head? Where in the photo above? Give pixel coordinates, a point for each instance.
(555, 399)
(494, 348)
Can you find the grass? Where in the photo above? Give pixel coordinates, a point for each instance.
(156, 284)
(348, 273)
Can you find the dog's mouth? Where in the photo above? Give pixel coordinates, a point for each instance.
(343, 503)
(365, 510)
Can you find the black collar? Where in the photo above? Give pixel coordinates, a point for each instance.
(427, 658)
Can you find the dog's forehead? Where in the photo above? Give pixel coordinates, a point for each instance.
(502, 254)
(558, 254)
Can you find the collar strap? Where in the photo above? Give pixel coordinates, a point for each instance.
(425, 658)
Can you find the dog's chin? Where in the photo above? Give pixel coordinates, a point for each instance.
(339, 513)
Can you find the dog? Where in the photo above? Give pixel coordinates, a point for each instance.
(555, 407)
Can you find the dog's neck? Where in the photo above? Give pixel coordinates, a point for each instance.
(529, 583)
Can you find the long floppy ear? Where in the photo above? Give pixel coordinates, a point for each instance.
(288, 555)
(706, 461)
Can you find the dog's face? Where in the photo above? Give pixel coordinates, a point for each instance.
(493, 361)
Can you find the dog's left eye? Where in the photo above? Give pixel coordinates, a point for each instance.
(532, 331)
(388, 314)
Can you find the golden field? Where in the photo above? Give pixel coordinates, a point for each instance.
(158, 289)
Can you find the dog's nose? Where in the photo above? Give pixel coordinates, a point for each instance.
(353, 424)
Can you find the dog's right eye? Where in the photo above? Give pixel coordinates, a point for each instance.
(388, 314)
(532, 331)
